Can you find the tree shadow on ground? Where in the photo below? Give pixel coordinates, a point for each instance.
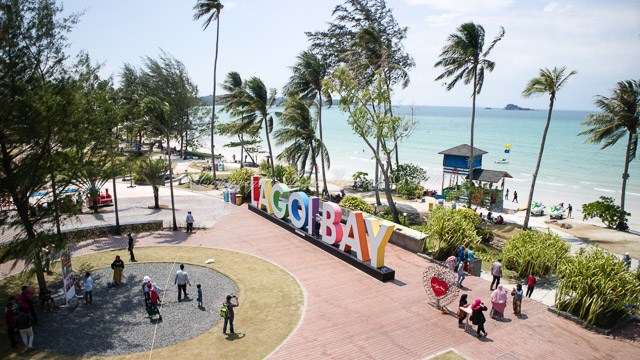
(630, 332)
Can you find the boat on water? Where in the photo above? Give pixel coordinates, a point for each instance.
(502, 161)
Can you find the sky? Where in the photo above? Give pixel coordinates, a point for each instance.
(598, 39)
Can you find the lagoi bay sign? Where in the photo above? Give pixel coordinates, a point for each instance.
(366, 237)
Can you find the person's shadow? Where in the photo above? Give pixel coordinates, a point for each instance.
(235, 336)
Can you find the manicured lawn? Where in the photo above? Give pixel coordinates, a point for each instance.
(271, 305)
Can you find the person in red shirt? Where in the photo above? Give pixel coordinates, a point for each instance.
(25, 301)
(531, 284)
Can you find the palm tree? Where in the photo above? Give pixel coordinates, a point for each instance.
(253, 104)
(463, 58)
(620, 115)
(298, 130)
(152, 171)
(158, 113)
(548, 81)
(306, 83)
(211, 10)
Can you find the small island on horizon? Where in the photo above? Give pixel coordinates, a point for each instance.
(516, 107)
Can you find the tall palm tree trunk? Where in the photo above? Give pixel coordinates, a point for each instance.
(473, 124)
(115, 203)
(266, 130)
(173, 205)
(314, 167)
(525, 226)
(376, 177)
(625, 174)
(213, 104)
(241, 151)
(325, 188)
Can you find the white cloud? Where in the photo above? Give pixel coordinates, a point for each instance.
(557, 8)
(465, 6)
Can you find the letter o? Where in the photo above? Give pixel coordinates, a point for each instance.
(298, 216)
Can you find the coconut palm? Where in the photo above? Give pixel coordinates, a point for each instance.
(152, 171)
(253, 103)
(620, 116)
(298, 130)
(158, 112)
(464, 58)
(210, 10)
(306, 83)
(548, 81)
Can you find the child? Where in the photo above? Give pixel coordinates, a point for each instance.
(199, 299)
(517, 300)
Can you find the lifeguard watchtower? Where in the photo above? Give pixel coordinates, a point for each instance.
(455, 167)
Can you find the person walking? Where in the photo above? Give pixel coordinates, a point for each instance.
(569, 210)
(199, 297)
(88, 288)
(515, 197)
(182, 279)
(25, 323)
(10, 313)
(496, 271)
(506, 195)
(477, 317)
(118, 267)
(189, 222)
(531, 284)
(132, 257)
(463, 303)
(25, 302)
(498, 303)
(461, 275)
(517, 300)
(230, 314)
(626, 259)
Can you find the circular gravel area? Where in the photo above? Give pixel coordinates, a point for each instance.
(116, 323)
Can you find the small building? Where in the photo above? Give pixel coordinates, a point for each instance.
(455, 167)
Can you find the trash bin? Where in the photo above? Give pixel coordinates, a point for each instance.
(475, 266)
(232, 197)
(238, 199)
(225, 193)
(217, 168)
(222, 167)
(430, 206)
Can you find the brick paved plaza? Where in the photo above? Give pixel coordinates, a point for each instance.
(350, 315)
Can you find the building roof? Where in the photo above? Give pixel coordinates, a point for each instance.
(463, 150)
(492, 176)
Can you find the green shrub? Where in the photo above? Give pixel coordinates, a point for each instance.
(242, 179)
(304, 184)
(356, 203)
(408, 189)
(411, 172)
(361, 182)
(205, 178)
(448, 229)
(534, 251)
(265, 167)
(610, 214)
(596, 287)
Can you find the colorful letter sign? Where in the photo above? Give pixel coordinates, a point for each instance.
(362, 236)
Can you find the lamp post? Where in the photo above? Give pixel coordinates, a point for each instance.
(404, 214)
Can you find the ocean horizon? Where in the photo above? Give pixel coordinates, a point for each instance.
(572, 171)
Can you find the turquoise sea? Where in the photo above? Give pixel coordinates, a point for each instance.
(572, 171)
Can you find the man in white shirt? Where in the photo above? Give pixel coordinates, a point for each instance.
(182, 279)
(496, 271)
(189, 221)
(88, 288)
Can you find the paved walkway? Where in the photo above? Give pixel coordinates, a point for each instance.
(349, 314)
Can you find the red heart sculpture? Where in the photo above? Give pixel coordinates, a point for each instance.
(438, 286)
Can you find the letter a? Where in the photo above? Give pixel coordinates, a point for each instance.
(265, 197)
(356, 236)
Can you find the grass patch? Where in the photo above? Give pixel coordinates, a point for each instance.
(447, 355)
(271, 302)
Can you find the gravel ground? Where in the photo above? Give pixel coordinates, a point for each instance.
(115, 323)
